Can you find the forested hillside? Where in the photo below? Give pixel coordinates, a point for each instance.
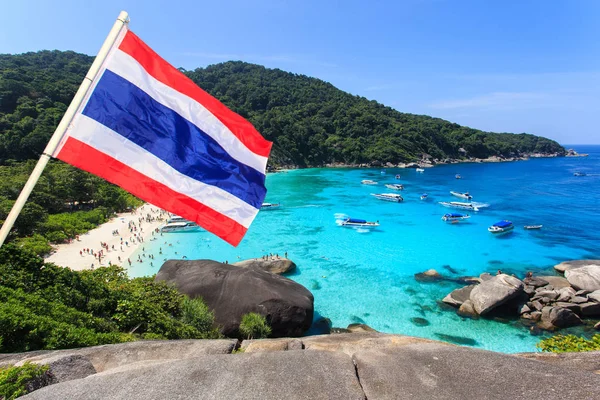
(310, 121)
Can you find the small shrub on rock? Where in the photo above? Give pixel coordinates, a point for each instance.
(14, 380)
(254, 326)
(569, 343)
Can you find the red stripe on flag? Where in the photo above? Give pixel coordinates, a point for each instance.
(89, 159)
(171, 76)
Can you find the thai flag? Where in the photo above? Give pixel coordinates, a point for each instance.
(149, 129)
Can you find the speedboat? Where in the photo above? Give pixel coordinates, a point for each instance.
(464, 195)
(420, 170)
(457, 176)
(368, 182)
(458, 204)
(395, 186)
(454, 217)
(388, 197)
(532, 227)
(270, 206)
(424, 196)
(185, 226)
(176, 218)
(359, 223)
(579, 174)
(501, 227)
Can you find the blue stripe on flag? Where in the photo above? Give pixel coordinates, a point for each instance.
(126, 109)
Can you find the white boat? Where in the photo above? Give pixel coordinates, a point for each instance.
(454, 217)
(388, 197)
(176, 218)
(532, 227)
(501, 227)
(394, 186)
(383, 172)
(464, 195)
(458, 204)
(579, 174)
(368, 182)
(420, 170)
(424, 196)
(270, 206)
(185, 226)
(359, 223)
(457, 176)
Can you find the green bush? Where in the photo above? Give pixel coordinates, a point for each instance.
(35, 243)
(569, 343)
(13, 380)
(43, 306)
(254, 326)
(197, 314)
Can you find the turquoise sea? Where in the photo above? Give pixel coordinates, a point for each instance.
(367, 277)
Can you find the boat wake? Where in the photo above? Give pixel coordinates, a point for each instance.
(362, 230)
(480, 205)
(340, 216)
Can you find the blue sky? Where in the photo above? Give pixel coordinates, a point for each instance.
(504, 66)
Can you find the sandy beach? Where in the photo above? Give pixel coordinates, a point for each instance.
(75, 256)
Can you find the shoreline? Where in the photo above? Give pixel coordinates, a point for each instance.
(422, 163)
(68, 254)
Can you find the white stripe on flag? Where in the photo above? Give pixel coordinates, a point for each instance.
(116, 146)
(128, 68)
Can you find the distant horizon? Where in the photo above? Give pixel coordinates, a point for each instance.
(477, 64)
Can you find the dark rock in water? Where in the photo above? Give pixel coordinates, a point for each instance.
(420, 321)
(275, 266)
(232, 291)
(458, 296)
(321, 326)
(430, 275)
(450, 269)
(467, 310)
(463, 341)
(354, 328)
(314, 284)
(366, 315)
(410, 291)
(495, 262)
(357, 320)
(494, 292)
(535, 282)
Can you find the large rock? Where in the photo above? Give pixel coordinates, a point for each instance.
(574, 264)
(467, 310)
(594, 296)
(586, 277)
(262, 375)
(66, 367)
(111, 356)
(232, 292)
(434, 372)
(494, 292)
(275, 265)
(558, 317)
(458, 296)
(557, 282)
(591, 309)
(431, 275)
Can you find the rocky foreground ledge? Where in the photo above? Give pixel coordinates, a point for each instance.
(343, 366)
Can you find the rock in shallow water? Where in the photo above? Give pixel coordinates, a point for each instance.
(458, 296)
(275, 266)
(233, 291)
(494, 292)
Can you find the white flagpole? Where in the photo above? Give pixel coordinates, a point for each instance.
(122, 20)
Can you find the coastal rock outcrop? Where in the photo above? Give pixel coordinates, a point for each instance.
(459, 296)
(494, 292)
(232, 291)
(574, 264)
(277, 266)
(586, 277)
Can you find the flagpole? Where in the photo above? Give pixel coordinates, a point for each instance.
(121, 21)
